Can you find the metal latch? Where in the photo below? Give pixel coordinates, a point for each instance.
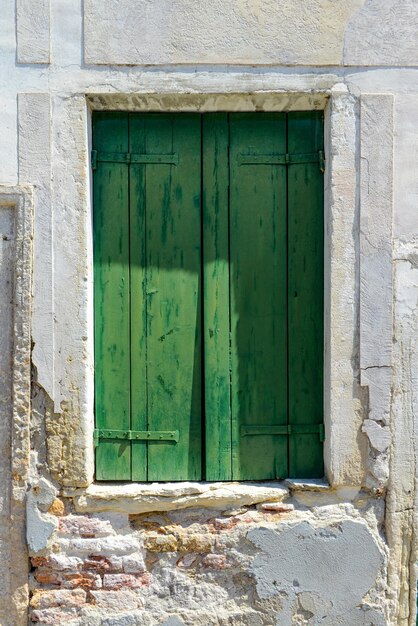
(101, 434)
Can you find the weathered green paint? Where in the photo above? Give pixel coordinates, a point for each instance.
(138, 284)
(258, 293)
(173, 306)
(216, 297)
(305, 293)
(111, 297)
(208, 295)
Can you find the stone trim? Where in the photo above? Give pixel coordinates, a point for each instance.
(137, 498)
(69, 427)
(20, 199)
(376, 298)
(33, 31)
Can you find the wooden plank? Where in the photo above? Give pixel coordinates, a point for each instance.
(174, 286)
(111, 296)
(216, 297)
(258, 295)
(305, 293)
(138, 243)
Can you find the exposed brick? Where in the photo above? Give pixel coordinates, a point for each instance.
(62, 562)
(40, 561)
(54, 616)
(161, 543)
(201, 544)
(58, 597)
(276, 507)
(221, 523)
(57, 508)
(187, 560)
(215, 561)
(100, 564)
(86, 580)
(133, 564)
(115, 545)
(84, 526)
(118, 581)
(46, 576)
(123, 600)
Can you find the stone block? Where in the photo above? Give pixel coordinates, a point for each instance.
(133, 564)
(198, 543)
(294, 32)
(54, 616)
(119, 581)
(161, 543)
(122, 600)
(32, 31)
(84, 526)
(58, 597)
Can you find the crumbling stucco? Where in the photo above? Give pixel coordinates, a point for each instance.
(335, 566)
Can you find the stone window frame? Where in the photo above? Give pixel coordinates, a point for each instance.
(355, 379)
(19, 199)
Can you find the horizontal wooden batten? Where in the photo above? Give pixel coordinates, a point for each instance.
(281, 159)
(133, 158)
(284, 429)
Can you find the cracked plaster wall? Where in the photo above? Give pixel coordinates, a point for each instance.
(260, 556)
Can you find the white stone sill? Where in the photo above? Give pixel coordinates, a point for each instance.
(134, 498)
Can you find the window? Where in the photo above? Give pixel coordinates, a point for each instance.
(208, 274)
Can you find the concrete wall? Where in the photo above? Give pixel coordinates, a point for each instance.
(338, 552)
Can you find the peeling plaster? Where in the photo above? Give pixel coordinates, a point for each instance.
(334, 566)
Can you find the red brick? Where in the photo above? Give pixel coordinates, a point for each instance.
(47, 577)
(85, 580)
(40, 561)
(216, 561)
(100, 564)
(118, 581)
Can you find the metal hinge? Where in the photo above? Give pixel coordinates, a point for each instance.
(135, 435)
(284, 429)
(93, 159)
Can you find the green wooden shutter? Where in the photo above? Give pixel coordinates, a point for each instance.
(147, 249)
(111, 297)
(263, 286)
(216, 297)
(217, 319)
(257, 226)
(305, 295)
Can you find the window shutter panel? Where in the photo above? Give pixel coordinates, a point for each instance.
(216, 296)
(306, 294)
(172, 278)
(258, 295)
(111, 297)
